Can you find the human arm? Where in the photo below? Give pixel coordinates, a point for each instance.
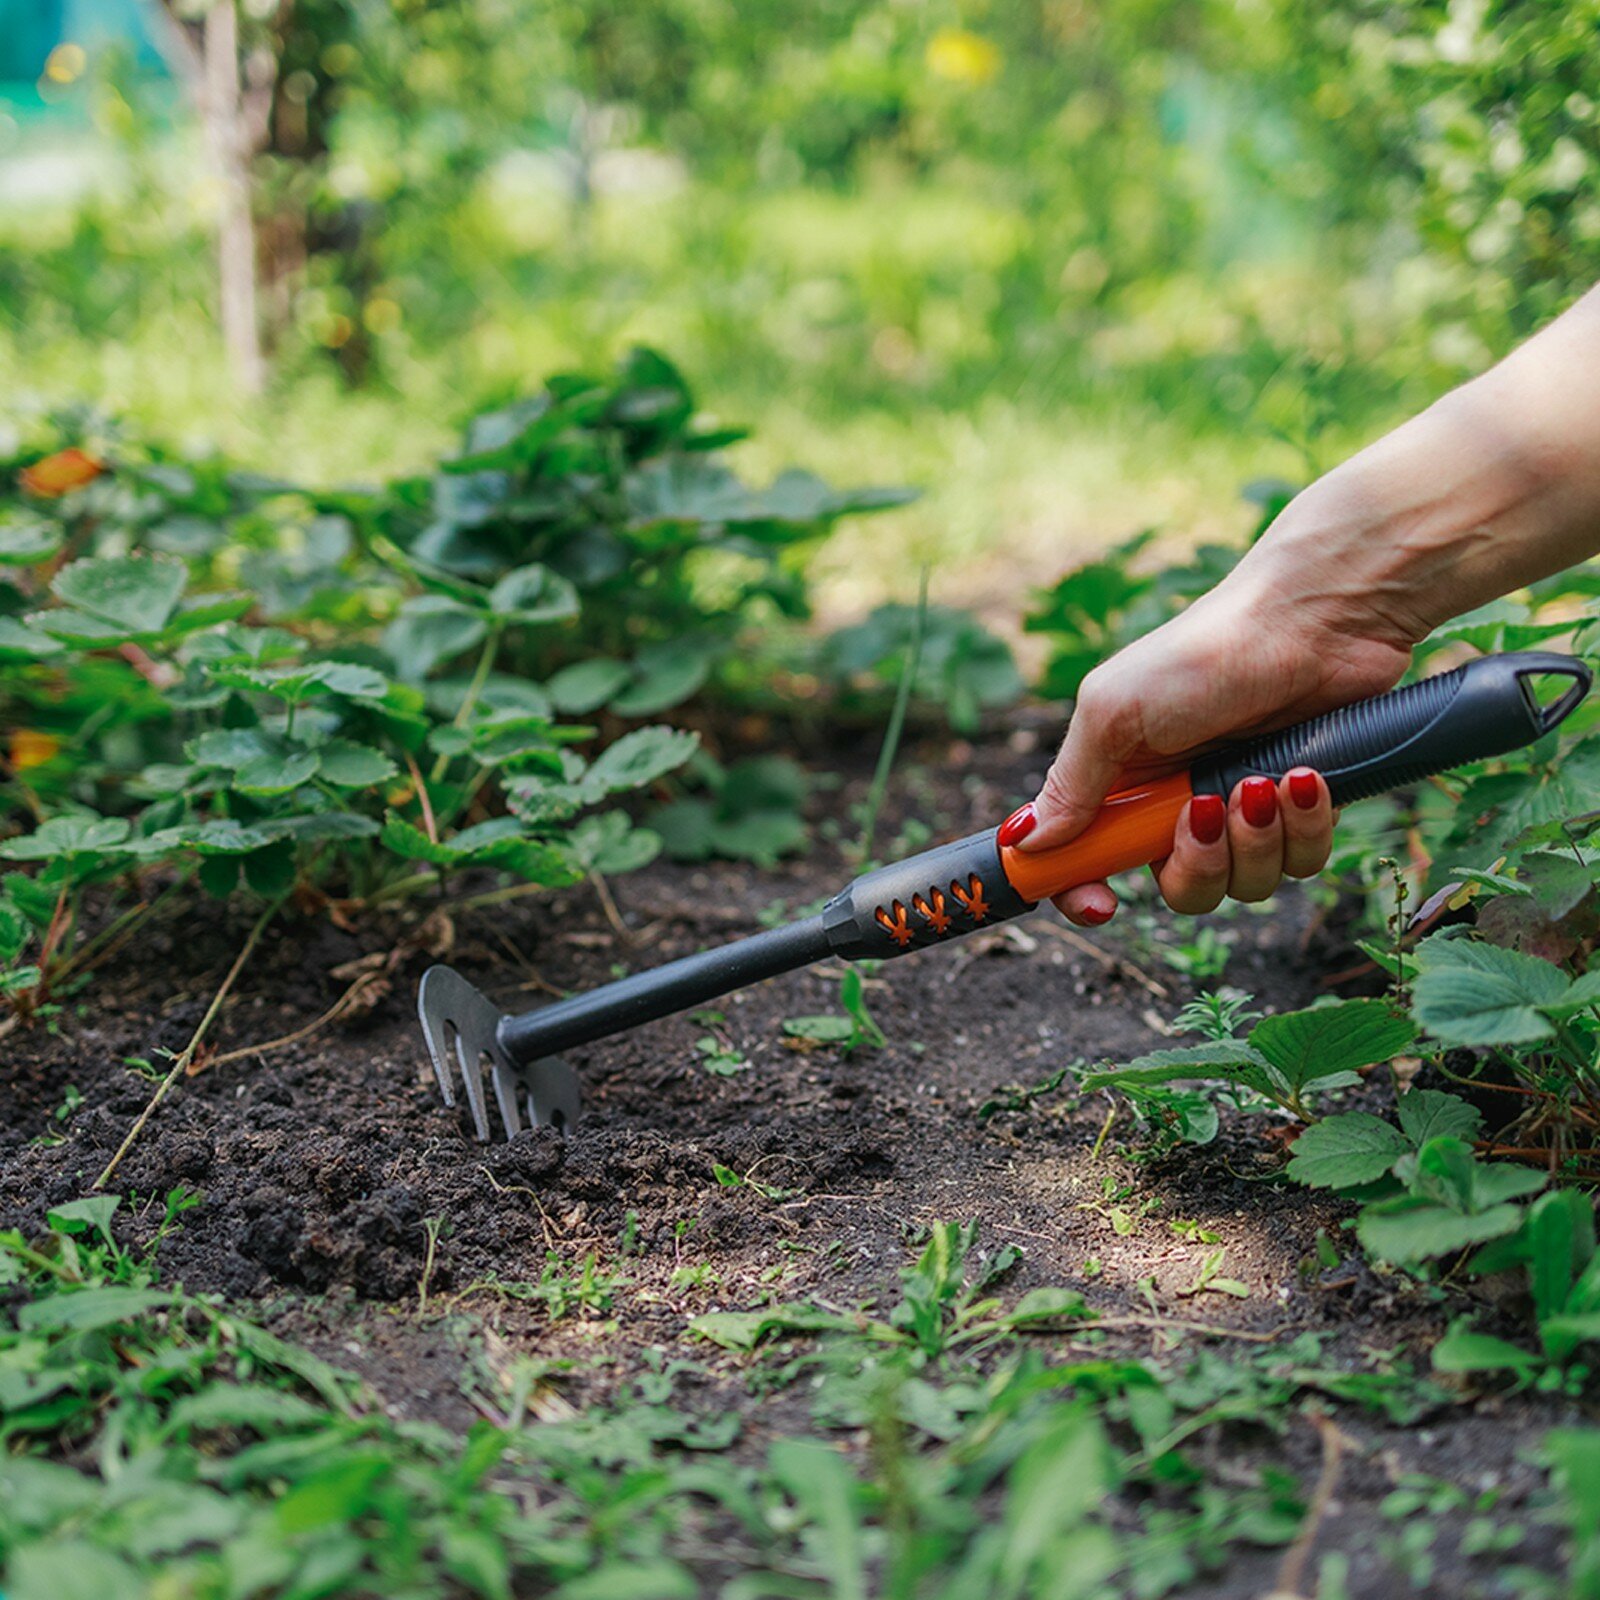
(1494, 486)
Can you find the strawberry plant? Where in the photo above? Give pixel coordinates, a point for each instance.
(1283, 1059)
(209, 677)
(615, 487)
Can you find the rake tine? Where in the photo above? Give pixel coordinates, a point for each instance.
(505, 1091)
(472, 1078)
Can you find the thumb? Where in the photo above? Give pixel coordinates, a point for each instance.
(1099, 740)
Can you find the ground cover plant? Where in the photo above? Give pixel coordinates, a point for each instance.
(342, 698)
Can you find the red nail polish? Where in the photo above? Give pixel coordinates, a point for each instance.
(1096, 915)
(1208, 816)
(1017, 826)
(1258, 800)
(1303, 788)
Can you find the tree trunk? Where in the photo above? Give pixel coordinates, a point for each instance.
(228, 144)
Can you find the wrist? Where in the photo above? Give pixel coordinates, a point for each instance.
(1422, 525)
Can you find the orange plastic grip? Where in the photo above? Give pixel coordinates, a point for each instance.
(1135, 827)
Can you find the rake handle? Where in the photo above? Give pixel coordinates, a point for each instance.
(1482, 709)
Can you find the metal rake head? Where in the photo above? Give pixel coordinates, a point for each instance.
(462, 1027)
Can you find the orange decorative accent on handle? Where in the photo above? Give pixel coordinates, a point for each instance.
(1134, 828)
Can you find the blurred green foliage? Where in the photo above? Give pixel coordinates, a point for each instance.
(1150, 199)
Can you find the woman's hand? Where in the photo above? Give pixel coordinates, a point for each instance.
(1253, 655)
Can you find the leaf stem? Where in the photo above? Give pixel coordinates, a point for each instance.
(469, 701)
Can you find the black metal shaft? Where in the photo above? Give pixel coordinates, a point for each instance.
(647, 996)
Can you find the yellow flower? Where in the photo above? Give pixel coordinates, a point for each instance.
(963, 56)
(30, 748)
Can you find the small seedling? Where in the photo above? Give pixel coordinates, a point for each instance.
(1208, 1279)
(853, 1031)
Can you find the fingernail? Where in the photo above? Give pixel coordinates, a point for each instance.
(1258, 800)
(1096, 914)
(1017, 826)
(1208, 816)
(1303, 788)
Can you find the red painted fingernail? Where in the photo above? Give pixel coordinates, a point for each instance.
(1017, 826)
(1303, 788)
(1208, 816)
(1258, 800)
(1096, 914)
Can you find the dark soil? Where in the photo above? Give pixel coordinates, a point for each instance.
(324, 1164)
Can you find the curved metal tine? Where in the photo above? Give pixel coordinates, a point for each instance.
(553, 1098)
(506, 1083)
(471, 1062)
(438, 1034)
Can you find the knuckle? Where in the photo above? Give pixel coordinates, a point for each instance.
(1110, 715)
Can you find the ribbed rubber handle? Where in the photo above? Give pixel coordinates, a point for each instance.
(1480, 710)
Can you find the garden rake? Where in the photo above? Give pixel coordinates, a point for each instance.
(1483, 709)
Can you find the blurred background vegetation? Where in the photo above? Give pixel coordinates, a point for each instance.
(1073, 267)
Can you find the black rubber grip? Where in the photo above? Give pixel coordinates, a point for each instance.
(1480, 710)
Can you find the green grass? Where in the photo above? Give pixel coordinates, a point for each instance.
(965, 1441)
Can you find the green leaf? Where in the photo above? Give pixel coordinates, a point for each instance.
(136, 594)
(90, 1215)
(1559, 1237)
(1411, 1229)
(585, 686)
(85, 1310)
(347, 765)
(1562, 1334)
(270, 871)
(13, 932)
(533, 594)
(303, 681)
(820, 1029)
(241, 1405)
(1583, 993)
(232, 748)
(1469, 993)
(1343, 1151)
(1325, 1040)
(407, 840)
(478, 1559)
(817, 1478)
(664, 676)
(1429, 1113)
(1048, 1304)
(25, 540)
(69, 837)
(611, 844)
(1462, 1350)
(338, 1493)
(275, 773)
(69, 1569)
(1230, 1060)
(853, 997)
(429, 629)
(21, 643)
(639, 758)
(744, 1330)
